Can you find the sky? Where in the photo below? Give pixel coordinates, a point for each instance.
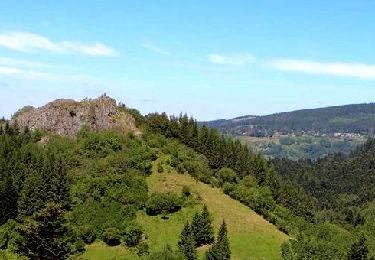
(210, 59)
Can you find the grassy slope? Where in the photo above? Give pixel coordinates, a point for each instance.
(251, 236)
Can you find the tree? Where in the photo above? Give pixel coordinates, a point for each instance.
(359, 250)
(202, 228)
(220, 250)
(226, 175)
(44, 234)
(196, 229)
(207, 228)
(48, 185)
(222, 242)
(8, 200)
(186, 244)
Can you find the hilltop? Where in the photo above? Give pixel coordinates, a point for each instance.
(67, 116)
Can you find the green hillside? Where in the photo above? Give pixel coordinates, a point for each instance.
(170, 190)
(356, 118)
(251, 236)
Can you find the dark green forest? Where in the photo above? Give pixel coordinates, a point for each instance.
(59, 194)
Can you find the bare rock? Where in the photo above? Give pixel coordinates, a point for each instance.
(67, 116)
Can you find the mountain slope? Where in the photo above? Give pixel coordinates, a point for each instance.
(251, 236)
(337, 181)
(356, 118)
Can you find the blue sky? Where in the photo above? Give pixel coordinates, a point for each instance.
(211, 59)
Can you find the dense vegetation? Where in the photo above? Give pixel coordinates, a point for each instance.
(358, 118)
(60, 194)
(301, 147)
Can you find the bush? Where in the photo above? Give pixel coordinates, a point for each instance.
(226, 175)
(111, 236)
(228, 188)
(87, 234)
(180, 168)
(186, 192)
(160, 168)
(132, 234)
(78, 246)
(142, 249)
(214, 182)
(159, 202)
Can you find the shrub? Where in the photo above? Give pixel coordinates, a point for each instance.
(186, 192)
(226, 175)
(160, 168)
(142, 249)
(132, 234)
(111, 236)
(214, 182)
(228, 188)
(159, 202)
(78, 246)
(87, 234)
(181, 168)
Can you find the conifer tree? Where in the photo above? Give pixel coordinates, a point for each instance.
(207, 228)
(202, 229)
(43, 235)
(8, 200)
(220, 250)
(186, 244)
(196, 229)
(222, 243)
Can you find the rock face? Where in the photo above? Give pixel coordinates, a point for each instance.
(67, 117)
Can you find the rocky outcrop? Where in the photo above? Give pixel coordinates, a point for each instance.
(67, 117)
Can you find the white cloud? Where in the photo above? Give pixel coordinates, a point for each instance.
(155, 48)
(29, 42)
(9, 71)
(97, 49)
(356, 70)
(234, 60)
(21, 63)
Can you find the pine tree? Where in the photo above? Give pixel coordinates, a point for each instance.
(202, 229)
(220, 250)
(43, 235)
(222, 243)
(207, 229)
(8, 200)
(359, 250)
(186, 244)
(196, 229)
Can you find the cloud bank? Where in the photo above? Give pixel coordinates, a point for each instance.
(355, 70)
(29, 42)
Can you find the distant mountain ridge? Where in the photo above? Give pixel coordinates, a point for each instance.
(355, 118)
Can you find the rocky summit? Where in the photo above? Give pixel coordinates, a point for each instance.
(67, 116)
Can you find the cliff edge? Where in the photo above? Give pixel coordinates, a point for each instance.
(67, 116)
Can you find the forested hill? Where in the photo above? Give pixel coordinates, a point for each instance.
(337, 181)
(108, 193)
(357, 118)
